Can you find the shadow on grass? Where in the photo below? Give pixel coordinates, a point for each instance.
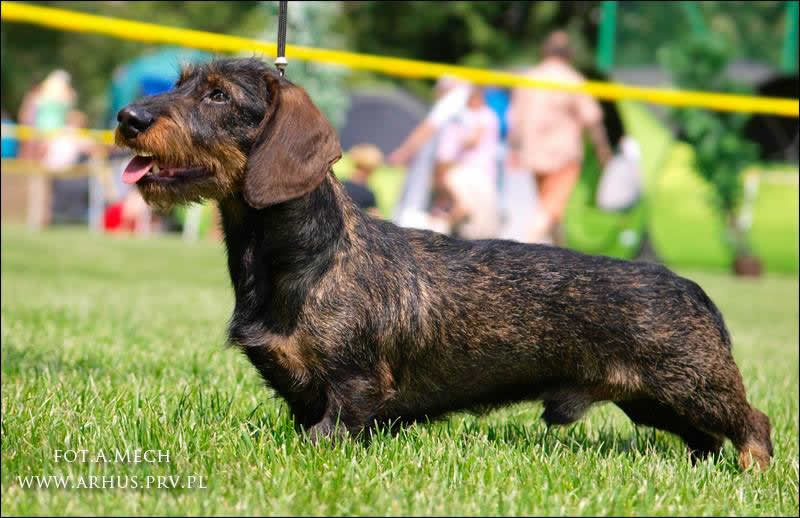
(603, 442)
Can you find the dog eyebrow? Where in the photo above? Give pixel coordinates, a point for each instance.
(186, 71)
(234, 88)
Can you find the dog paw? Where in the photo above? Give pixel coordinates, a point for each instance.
(325, 430)
(564, 411)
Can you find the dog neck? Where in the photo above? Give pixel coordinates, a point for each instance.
(277, 254)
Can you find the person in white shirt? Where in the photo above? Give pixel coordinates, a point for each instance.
(467, 170)
(418, 152)
(453, 95)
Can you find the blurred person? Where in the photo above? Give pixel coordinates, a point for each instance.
(29, 148)
(56, 99)
(136, 215)
(69, 146)
(32, 149)
(64, 150)
(466, 170)
(366, 159)
(451, 98)
(131, 214)
(545, 136)
(53, 101)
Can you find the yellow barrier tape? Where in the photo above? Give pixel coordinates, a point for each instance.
(21, 132)
(124, 29)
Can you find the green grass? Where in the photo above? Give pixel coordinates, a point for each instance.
(118, 343)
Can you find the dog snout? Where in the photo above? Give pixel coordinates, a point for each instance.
(134, 120)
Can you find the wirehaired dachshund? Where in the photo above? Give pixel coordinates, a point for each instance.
(355, 321)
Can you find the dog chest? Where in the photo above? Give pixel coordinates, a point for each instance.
(278, 357)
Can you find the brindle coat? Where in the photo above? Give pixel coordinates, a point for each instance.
(356, 321)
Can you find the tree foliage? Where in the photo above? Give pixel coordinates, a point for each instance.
(489, 34)
(493, 34)
(506, 34)
(484, 34)
(30, 52)
(753, 31)
(721, 152)
(311, 24)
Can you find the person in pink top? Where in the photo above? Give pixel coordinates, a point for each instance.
(466, 172)
(546, 130)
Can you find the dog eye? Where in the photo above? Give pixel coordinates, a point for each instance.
(218, 96)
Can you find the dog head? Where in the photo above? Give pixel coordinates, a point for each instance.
(230, 126)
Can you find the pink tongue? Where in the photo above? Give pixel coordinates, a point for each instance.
(138, 167)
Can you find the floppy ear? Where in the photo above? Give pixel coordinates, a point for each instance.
(294, 151)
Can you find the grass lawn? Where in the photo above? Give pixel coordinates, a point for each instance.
(113, 343)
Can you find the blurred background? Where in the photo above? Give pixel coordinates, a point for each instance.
(687, 187)
(113, 316)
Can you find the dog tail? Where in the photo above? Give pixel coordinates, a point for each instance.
(699, 295)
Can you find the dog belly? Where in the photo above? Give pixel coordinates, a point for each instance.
(435, 385)
(414, 404)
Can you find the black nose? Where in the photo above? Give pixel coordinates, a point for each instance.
(133, 121)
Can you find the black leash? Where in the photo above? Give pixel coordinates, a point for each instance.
(280, 60)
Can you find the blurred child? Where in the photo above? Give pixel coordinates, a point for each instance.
(466, 175)
(131, 214)
(419, 148)
(69, 146)
(366, 158)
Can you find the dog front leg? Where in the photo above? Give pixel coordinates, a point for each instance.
(330, 427)
(351, 405)
(308, 410)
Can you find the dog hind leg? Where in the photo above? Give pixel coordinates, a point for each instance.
(722, 409)
(566, 405)
(710, 397)
(651, 413)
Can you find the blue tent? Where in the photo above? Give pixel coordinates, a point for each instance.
(148, 75)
